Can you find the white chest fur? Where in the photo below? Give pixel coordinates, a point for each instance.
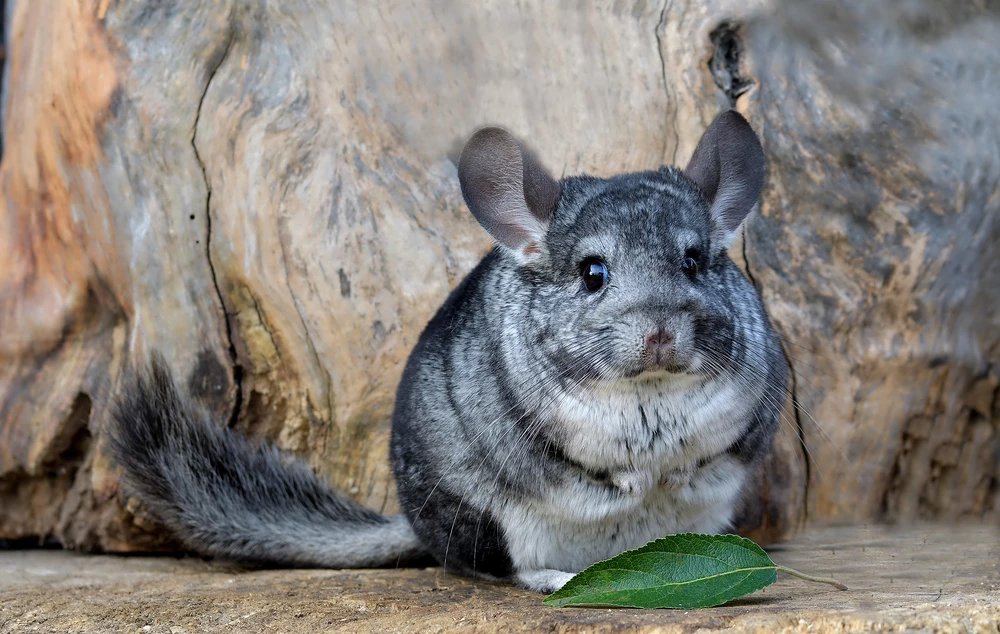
(651, 437)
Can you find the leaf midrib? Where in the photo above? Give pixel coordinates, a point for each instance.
(682, 583)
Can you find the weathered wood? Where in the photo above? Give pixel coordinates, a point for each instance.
(918, 579)
(267, 193)
(878, 247)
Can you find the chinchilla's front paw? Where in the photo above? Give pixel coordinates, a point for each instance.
(632, 483)
(545, 581)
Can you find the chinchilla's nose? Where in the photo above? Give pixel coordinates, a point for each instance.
(659, 345)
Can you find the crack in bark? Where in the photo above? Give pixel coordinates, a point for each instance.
(263, 323)
(797, 411)
(671, 120)
(233, 356)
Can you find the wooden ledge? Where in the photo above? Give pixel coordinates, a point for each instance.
(926, 578)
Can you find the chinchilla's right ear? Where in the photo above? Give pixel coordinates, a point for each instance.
(508, 191)
(728, 167)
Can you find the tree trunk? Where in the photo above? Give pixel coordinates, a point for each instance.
(267, 194)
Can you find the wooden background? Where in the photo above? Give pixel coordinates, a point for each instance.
(267, 193)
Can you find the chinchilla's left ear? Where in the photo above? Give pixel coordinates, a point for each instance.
(508, 191)
(728, 168)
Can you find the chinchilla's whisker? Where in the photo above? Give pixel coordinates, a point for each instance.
(745, 385)
(794, 426)
(743, 382)
(798, 361)
(785, 339)
(798, 404)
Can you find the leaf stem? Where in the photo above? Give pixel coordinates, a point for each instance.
(795, 573)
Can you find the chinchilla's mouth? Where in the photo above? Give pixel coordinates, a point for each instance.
(662, 372)
(669, 365)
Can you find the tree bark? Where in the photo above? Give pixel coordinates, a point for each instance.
(267, 194)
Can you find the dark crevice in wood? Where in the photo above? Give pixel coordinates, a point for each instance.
(71, 450)
(727, 60)
(233, 355)
(31, 542)
(800, 431)
(21, 491)
(746, 261)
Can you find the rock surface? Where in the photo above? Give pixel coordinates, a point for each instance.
(924, 578)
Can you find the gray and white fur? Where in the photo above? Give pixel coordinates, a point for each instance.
(604, 377)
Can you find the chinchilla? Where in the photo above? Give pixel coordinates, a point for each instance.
(605, 376)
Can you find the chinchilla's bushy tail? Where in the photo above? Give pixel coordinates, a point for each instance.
(222, 495)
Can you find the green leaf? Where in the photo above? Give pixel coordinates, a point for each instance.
(680, 571)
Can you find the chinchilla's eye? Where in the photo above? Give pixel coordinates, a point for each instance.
(595, 273)
(690, 262)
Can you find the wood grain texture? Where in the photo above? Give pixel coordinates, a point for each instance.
(267, 193)
(878, 250)
(100, 259)
(937, 578)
